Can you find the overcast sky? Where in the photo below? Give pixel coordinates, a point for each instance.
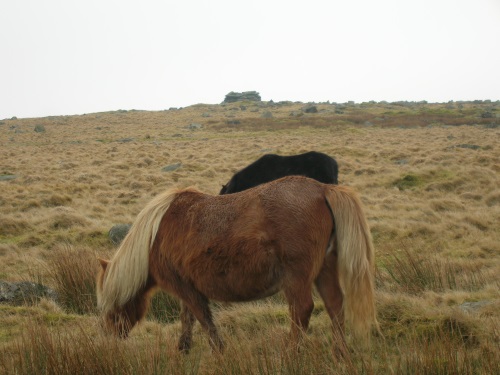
(65, 57)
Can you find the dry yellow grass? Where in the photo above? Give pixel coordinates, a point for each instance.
(430, 196)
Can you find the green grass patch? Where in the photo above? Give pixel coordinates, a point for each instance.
(14, 319)
(434, 179)
(409, 181)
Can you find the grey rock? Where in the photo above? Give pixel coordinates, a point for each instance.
(471, 307)
(39, 128)
(472, 147)
(267, 114)
(24, 292)
(171, 167)
(126, 140)
(194, 126)
(310, 109)
(7, 177)
(118, 232)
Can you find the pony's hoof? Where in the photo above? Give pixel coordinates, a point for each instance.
(217, 346)
(184, 347)
(340, 352)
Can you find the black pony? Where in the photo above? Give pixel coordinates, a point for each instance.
(269, 167)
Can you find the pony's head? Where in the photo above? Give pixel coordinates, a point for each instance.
(223, 190)
(116, 320)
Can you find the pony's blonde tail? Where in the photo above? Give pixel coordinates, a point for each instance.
(127, 271)
(355, 260)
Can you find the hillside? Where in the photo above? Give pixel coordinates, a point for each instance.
(428, 175)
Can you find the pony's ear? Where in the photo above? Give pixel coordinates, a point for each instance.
(104, 263)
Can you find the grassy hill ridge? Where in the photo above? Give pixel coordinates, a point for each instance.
(428, 175)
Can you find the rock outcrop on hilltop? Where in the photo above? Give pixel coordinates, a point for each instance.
(232, 97)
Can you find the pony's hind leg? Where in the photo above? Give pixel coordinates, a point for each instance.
(328, 286)
(300, 301)
(187, 320)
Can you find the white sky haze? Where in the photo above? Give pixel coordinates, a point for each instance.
(65, 57)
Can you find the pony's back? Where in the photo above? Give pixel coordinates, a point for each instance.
(269, 167)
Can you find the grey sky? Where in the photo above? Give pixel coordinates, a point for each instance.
(72, 57)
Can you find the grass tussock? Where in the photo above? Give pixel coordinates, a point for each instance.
(413, 274)
(12, 226)
(73, 271)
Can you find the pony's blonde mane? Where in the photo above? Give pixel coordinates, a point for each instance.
(127, 271)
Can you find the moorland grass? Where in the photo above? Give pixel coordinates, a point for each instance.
(428, 175)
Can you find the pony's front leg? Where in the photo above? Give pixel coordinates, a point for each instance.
(187, 320)
(198, 306)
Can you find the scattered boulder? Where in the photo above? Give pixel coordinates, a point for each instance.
(171, 167)
(401, 161)
(24, 293)
(126, 140)
(466, 145)
(39, 128)
(267, 114)
(471, 307)
(232, 97)
(118, 232)
(310, 109)
(194, 126)
(7, 177)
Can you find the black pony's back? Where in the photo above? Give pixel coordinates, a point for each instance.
(269, 167)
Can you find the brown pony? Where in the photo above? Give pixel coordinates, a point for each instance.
(284, 235)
